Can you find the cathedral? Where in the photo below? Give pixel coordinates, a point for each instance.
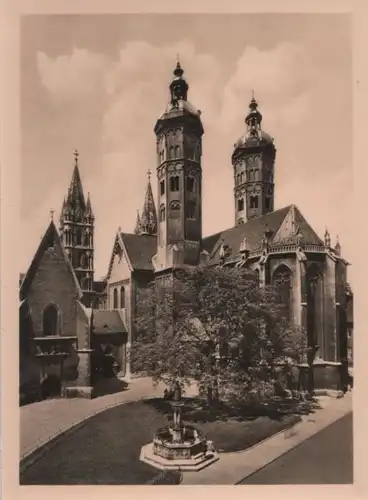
(74, 329)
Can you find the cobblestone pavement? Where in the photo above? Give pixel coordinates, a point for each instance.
(40, 422)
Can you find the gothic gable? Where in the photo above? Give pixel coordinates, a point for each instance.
(50, 259)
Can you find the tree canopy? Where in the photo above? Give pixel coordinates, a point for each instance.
(214, 325)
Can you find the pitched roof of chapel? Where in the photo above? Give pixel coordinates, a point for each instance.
(140, 249)
(281, 223)
(50, 238)
(107, 322)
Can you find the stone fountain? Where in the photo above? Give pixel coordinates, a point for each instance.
(179, 446)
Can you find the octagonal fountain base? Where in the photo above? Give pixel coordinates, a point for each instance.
(191, 453)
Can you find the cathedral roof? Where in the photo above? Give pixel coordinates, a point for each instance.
(107, 322)
(283, 224)
(140, 249)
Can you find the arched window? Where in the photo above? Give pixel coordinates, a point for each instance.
(50, 320)
(238, 179)
(190, 184)
(282, 280)
(115, 300)
(86, 239)
(240, 204)
(177, 151)
(191, 209)
(171, 152)
(83, 260)
(78, 237)
(175, 209)
(162, 213)
(174, 183)
(122, 297)
(254, 202)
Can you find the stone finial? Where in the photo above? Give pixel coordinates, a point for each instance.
(327, 239)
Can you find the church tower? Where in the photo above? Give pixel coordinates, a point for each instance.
(179, 133)
(253, 162)
(76, 230)
(147, 222)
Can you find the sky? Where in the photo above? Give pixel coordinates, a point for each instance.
(98, 83)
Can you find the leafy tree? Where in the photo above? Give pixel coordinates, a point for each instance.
(214, 325)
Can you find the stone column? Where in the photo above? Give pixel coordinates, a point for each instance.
(83, 383)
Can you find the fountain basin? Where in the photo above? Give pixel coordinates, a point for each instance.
(191, 452)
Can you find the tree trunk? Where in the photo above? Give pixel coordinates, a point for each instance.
(209, 395)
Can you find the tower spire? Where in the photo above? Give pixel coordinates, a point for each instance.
(178, 87)
(147, 223)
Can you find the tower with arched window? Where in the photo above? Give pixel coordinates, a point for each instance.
(253, 162)
(77, 230)
(179, 133)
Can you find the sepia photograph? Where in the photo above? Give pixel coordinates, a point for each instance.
(185, 272)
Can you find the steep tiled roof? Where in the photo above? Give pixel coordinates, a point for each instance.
(253, 230)
(107, 322)
(140, 248)
(50, 237)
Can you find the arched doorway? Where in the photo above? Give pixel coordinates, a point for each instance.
(50, 320)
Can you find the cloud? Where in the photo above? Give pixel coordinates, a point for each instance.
(80, 74)
(127, 94)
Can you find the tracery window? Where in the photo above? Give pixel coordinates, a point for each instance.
(175, 209)
(254, 202)
(282, 280)
(174, 183)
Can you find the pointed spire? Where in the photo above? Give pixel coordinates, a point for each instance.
(89, 211)
(75, 193)
(178, 86)
(327, 239)
(338, 246)
(254, 117)
(137, 229)
(148, 219)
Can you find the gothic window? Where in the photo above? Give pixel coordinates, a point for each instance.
(162, 188)
(240, 204)
(315, 298)
(254, 202)
(171, 152)
(175, 210)
(282, 280)
(162, 213)
(115, 299)
(190, 184)
(90, 262)
(191, 209)
(174, 183)
(122, 297)
(86, 239)
(50, 320)
(177, 151)
(161, 156)
(256, 174)
(68, 237)
(238, 179)
(78, 237)
(241, 177)
(268, 203)
(83, 261)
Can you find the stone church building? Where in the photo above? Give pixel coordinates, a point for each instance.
(74, 329)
